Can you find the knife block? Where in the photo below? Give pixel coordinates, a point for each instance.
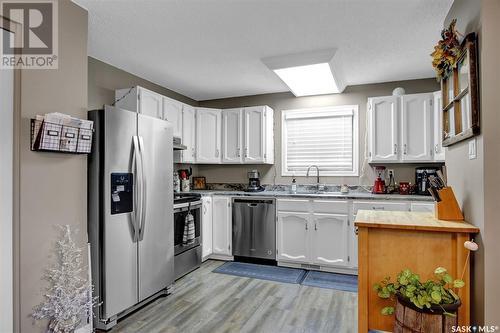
(448, 209)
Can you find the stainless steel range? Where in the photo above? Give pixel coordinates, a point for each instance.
(187, 257)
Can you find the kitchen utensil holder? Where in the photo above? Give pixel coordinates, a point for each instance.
(58, 138)
(448, 209)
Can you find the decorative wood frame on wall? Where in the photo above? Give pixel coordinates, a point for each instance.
(460, 91)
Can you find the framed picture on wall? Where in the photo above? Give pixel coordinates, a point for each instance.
(199, 183)
(460, 92)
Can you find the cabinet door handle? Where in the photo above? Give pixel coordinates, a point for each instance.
(395, 149)
(307, 228)
(436, 148)
(246, 152)
(315, 226)
(356, 231)
(238, 152)
(405, 149)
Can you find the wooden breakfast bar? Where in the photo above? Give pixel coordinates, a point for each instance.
(389, 242)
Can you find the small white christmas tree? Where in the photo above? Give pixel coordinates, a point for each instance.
(69, 295)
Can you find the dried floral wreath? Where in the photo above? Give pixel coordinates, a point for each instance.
(447, 51)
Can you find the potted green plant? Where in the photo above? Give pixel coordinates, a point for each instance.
(420, 304)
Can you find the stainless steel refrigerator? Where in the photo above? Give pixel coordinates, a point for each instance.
(130, 211)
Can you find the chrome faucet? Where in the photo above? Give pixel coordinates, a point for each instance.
(318, 186)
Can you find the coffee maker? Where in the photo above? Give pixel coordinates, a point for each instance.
(422, 175)
(254, 182)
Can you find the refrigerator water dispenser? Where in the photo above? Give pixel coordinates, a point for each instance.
(122, 193)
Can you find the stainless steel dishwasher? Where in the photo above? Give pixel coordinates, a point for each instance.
(254, 227)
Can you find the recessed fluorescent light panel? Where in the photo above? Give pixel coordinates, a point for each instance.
(308, 73)
(308, 80)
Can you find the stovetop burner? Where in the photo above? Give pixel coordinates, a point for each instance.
(186, 197)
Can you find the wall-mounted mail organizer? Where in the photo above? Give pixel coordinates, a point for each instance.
(61, 138)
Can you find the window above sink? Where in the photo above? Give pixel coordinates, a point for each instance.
(326, 137)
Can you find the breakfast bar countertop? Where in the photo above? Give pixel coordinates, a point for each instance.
(410, 220)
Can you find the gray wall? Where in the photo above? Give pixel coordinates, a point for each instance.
(476, 182)
(104, 79)
(282, 101)
(53, 187)
(490, 83)
(467, 176)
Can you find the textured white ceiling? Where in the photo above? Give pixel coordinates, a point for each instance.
(208, 49)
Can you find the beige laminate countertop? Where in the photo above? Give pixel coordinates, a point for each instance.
(410, 220)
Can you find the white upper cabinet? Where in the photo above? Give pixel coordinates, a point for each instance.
(150, 103)
(208, 135)
(140, 100)
(172, 112)
(232, 127)
(383, 120)
(248, 135)
(254, 135)
(330, 237)
(401, 129)
(212, 136)
(439, 152)
(292, 234)
(222, 225)
(189, 134)
(416, 127)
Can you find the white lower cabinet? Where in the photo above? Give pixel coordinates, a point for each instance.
(222, 225)
(292, 237)
(318, 232)
(207, 227)
(380, 205)
(305, 236)
(422, 207)
(329, 241)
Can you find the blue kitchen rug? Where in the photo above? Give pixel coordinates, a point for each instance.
(263, 272)
(331, 281)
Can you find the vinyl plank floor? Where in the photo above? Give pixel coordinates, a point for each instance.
(206, 302)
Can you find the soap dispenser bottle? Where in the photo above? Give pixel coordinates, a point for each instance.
(293, 189)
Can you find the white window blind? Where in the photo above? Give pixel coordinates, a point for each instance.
(326, 137)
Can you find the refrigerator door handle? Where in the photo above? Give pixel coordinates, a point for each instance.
(143, 191)
(136, 167)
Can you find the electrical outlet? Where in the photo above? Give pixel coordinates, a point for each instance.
(472, 149)
(389, 172)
